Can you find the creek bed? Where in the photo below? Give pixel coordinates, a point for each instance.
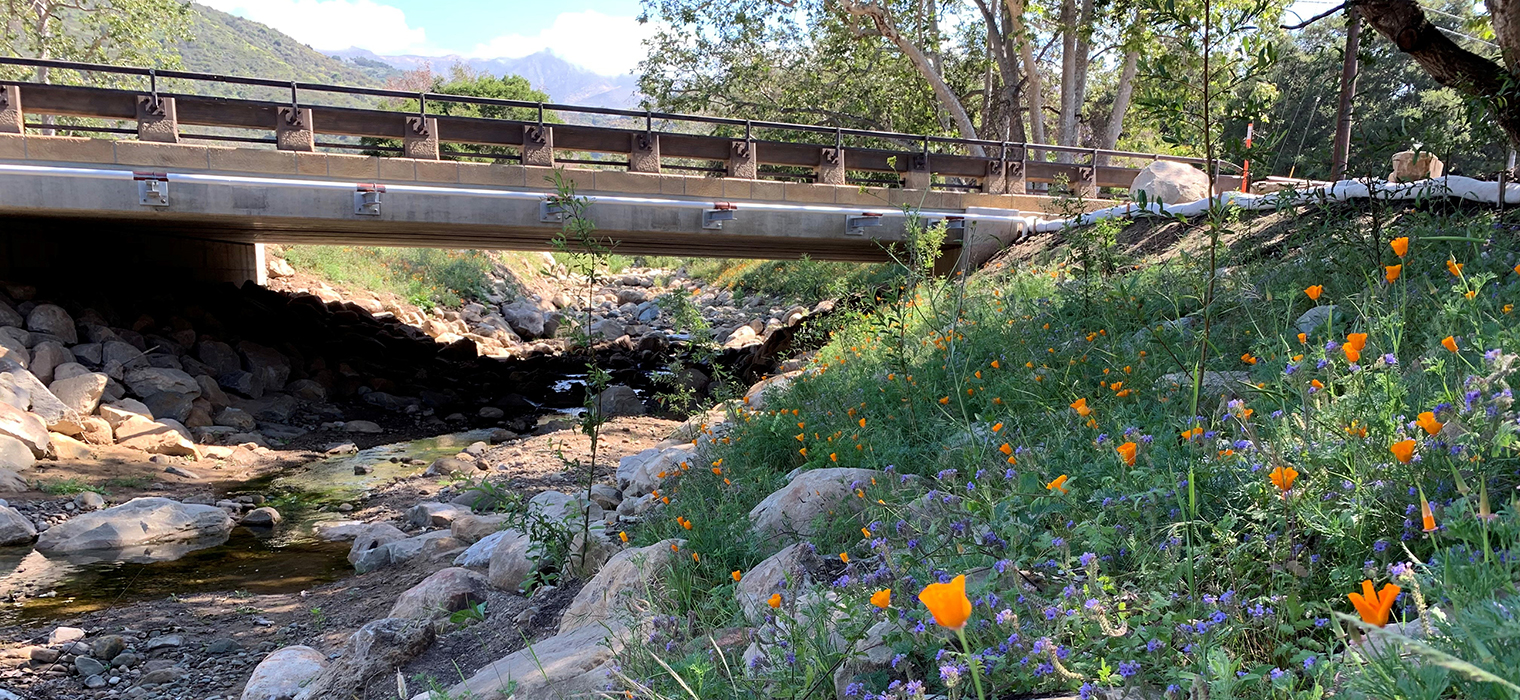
(286, 559)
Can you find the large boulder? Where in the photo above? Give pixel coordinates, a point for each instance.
(148, 381)
(15, 455)
(14, 350)
(638, 474)
(219, 356)
(608, 598)
(53, 320)
(512, 560)
(11, 482)
(571, 664)
(27, 428)
(783, 572)
(82, 392)
(15, 528)
(46, 357)
(282, 674)
(574, 663)
(373, 653)
(792, 509)
(373, 537)
(55, 415)
(270, 366)
(138, 522)
(524, 318)
(165, 436)
(619, 400)
(756, 396)
(1170, 182)
(447, 591)
(1409, 166)
(477, 556)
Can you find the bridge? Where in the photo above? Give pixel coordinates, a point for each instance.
(186, 181)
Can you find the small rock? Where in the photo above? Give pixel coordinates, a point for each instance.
(164, 642)
(362, 426)
(181, 471)
(89, 500)
(64, 635)
(346, 448)
(108, 647)
(95, 681)
(262, 517)
(224, 646)
(88, 666)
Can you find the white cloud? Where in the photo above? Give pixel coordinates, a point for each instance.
(329, 25)
(601, 43)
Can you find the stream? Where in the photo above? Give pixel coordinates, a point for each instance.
(286, 559)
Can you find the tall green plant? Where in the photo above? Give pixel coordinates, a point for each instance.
(587, 255)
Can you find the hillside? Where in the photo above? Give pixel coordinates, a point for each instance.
(229, 45)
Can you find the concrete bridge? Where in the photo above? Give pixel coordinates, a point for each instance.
(195, 183)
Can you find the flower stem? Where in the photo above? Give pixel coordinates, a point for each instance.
(976, 675)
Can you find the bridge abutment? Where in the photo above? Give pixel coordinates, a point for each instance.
(65, 251)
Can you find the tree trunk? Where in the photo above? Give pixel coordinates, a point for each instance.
(1404, 23)
(1066, 121)
(1122, 95)
(947, 98)
(1341, 148)
(1033, 89)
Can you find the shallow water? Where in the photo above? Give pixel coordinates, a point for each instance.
(287, 559)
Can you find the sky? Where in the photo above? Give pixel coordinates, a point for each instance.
(601, 35)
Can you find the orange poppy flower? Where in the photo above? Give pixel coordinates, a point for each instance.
(1400, 245)
(944, 400)
(1191, 433)
(1080, 406)
(1374, 606)
(1454, 267)
(1450, 343)
(774, 601)
(834, 457)
(996, 427)
(1283, 478)
(882, 598)
(1127, 452)
(1317, 384)
(1314, 291)
(1427, 420)
(1427, 516)
(1058, 485)
(1303, 338)
(1392, 272)
(736, 576)
(948, 602)
(623, 536)
(1248, 358)
(1403, 450)
(1006, 449)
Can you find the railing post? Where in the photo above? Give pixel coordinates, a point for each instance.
(831, 166)
(10, 110)
(644, 153)
(1014, 174)
(919, 176)
(742, 162)
(293, 130)
(538, 145)
(157, 119)
(996, 179)
(421, 139)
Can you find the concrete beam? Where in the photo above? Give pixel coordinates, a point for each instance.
(158, 122)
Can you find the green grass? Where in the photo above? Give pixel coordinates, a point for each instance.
(66, 487)
(804, 280)
(1187, 568)
(426, 277)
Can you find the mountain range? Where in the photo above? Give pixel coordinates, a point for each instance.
(229, 45)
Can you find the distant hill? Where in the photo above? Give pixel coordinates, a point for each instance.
(564, 82)
(230, 45)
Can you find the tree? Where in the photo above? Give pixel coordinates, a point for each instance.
(465, 82)
(973, 68)
(121, 32)
(1404, 23)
